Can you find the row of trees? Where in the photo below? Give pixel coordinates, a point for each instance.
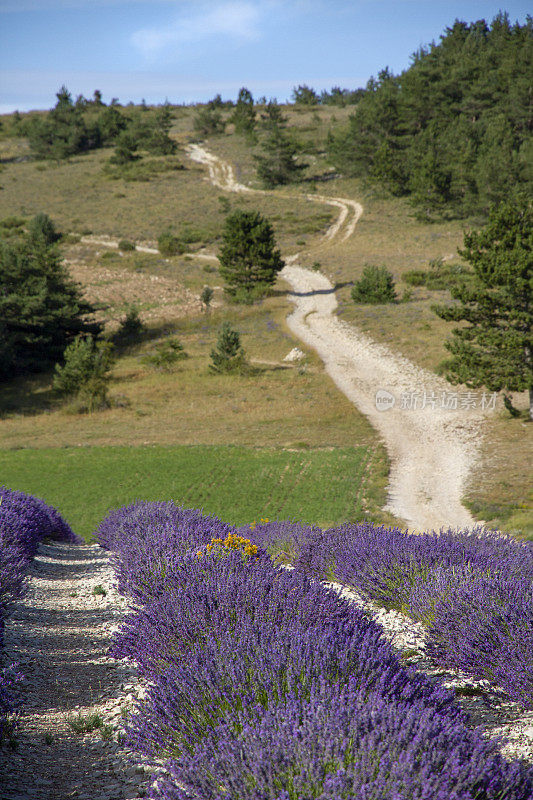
(277, 159)
(75, 127)
(454, 131)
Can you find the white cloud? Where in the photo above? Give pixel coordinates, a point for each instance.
(239, 20)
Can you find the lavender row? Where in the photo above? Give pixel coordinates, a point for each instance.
(472, 590)
(267, 686)
(24, 522)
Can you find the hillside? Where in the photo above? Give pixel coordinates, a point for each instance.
(284, 406)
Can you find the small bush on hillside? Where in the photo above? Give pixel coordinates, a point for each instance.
(131, 327)
(228, 356)
(376, 285)
(42, 229)
(208, 122)
(86, 373)
(206, 296)
(12, 227)
(166, 355)
(126, 245)
(170, 245)
(439, 276)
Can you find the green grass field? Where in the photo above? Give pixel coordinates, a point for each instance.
(238, 484)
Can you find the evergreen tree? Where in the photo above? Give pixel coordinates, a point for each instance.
(277, 164)
(85, 373)
(495, 348)
(166, 355)
(208, 122)
(42, 230)
(62, 132)
(125, 149)
(454, 130)
(206, 296)
(243, 116)
(41, 308)
(228, 356)
(111, 123)
(305, 96)
(249, 262)
(158, 140)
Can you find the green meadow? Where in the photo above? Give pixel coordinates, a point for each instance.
(238, 484)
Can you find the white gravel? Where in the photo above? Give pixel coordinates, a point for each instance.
(60, 634)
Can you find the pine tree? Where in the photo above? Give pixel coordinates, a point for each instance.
(249, 262)
(62, 132)
(277, 165)
(208, 122)
(85, 373)
(305, 96)
(111, 123)
(495, 348)
(243, 116)
(41, 308)
(158, 140)
(125, 149)
(42, 230)
(228, 356)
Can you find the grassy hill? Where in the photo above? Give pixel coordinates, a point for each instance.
(284, 406)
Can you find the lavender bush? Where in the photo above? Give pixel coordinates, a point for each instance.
(267, 685)
(349, 745)
(480, 623)
(24, 522)
(148, 537)
(473, 590)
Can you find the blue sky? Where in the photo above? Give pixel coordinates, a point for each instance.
(189, 50)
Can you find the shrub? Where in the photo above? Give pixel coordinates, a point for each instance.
(415, 277)
(166, 355)
(131, 327)
(24, 522)
(170, 245)
(85, 374)
(208, 122)
(228, 356)
(42, 229)
(126, 246)
(376, 285)
(206, 296)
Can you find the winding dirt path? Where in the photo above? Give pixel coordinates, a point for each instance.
(432, 449)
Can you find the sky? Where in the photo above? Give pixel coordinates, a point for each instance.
(187, 51)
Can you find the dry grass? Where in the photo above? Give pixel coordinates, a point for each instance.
(279, 406)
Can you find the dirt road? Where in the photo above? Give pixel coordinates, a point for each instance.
(432, 448)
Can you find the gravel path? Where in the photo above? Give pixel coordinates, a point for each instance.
(60, 634)
(432, 450)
